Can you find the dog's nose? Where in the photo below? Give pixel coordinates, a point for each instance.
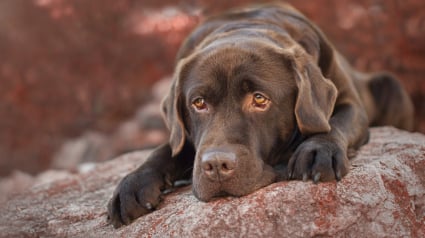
(218, 166)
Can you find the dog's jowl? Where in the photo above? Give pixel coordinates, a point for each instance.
(259, 95)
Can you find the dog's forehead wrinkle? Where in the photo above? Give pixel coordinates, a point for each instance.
(235, 70)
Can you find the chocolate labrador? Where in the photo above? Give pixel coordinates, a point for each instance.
(259, 95)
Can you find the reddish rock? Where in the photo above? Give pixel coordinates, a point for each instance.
(146, 129)
(382, 196)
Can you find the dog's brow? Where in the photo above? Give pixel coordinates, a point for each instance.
(210, 93)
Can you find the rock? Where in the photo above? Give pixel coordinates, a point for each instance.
(146, 129)
(90, 146)
(382, 196)
(17, 182)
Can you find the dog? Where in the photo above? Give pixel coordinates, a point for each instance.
(259, 95)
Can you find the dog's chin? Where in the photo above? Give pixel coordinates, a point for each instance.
(205, 190)
(211, 196)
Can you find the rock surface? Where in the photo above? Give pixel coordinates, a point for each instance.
(146, 129)
(382, 196)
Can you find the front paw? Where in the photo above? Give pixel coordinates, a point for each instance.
(137, 194)
(318, 159)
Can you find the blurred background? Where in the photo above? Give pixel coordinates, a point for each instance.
(81, 80)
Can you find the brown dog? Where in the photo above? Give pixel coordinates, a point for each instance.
(259, 95)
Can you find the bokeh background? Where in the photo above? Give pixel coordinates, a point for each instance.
(80, 80)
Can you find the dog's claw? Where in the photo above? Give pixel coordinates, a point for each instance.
(149, 206)
(338, 175)
(305, 177)
(316, 178)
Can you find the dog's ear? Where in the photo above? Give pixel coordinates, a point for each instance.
(316, 95)
(173, 110)
(173, 119)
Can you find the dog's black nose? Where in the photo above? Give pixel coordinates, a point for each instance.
(219, 166)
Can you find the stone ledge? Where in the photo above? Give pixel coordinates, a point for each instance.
(382, 196)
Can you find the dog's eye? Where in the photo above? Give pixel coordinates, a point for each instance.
(259, 100)
(199, 104)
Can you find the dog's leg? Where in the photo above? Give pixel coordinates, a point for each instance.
(392, 103)
(386, 101)
(139, 192)
(324, 156)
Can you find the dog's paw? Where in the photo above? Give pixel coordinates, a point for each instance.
(318, 159)
(136, 195)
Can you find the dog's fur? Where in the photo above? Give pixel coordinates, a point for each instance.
(260, 95)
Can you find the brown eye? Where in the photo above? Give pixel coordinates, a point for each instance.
(199, 104)
(260, 100)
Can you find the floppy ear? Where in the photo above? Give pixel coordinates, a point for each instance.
(316, 95)
(173, 107)
(172, 114)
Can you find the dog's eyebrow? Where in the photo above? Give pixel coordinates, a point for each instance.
(209, 92)
(197, 90)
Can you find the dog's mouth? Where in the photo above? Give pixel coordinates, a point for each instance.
(242, 178)
(221, 194)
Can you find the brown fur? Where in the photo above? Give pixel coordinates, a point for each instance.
(260, 95)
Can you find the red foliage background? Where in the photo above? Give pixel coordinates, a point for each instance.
(67, 66)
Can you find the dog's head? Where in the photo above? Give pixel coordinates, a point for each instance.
(239, 103)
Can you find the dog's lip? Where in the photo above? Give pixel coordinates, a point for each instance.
(259, 174)
(219, 194)
(220, 189)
